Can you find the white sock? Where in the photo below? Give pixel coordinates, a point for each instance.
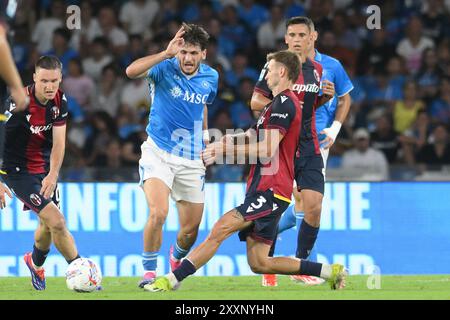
(326, 271)
(172, 279)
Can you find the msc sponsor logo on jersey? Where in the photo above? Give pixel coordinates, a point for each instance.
(197, 98)
(176, 92)
(310, 87)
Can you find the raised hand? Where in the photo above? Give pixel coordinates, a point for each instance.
(176, 43)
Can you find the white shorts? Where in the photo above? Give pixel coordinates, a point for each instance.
(184, 177)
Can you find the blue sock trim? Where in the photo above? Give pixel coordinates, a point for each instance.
(298, 214)
(149, 260)
(179, 253)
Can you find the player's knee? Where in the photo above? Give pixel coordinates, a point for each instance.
(314, 209)
(190, 230)
(259, 266)
(189, 235)
(298, 202)
(312, 215)
(157, 216)
(58, 225)
(43, 226)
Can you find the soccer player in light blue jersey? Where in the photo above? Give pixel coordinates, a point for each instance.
(181, 87)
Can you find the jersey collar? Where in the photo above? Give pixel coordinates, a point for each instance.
(318, 56)
(33, 91)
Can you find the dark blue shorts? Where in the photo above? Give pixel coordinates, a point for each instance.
(26, 187)
(309, 173)
(265, 210)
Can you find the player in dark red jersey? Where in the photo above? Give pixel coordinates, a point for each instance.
(309, 165)
(269, 186)
(34, 152)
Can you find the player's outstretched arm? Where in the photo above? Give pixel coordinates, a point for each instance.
(227, 146)
(140, 67)
(10, 74)
(264, 149)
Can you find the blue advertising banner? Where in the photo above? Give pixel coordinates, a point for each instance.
(396, 227)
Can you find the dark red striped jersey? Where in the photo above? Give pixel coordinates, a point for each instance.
(284, 114)
(307, 90)
(29, 137)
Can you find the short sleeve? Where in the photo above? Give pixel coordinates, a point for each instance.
(61, 117)
(155, 73)
(261, 85)
(283, 112)
(342, 83)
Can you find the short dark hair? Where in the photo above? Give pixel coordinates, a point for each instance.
(64, 33)
(196, 35)
(289, 59)
(301, 20)
(48, 63)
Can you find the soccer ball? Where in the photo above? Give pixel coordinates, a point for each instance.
(83, 275)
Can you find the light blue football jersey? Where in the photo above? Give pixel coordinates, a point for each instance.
(176, 114)
(333, 72)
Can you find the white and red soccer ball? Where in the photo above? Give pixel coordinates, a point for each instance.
(83, 275)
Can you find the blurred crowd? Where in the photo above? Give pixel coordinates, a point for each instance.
(400, 113)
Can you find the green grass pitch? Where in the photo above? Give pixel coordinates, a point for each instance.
(237, 288)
